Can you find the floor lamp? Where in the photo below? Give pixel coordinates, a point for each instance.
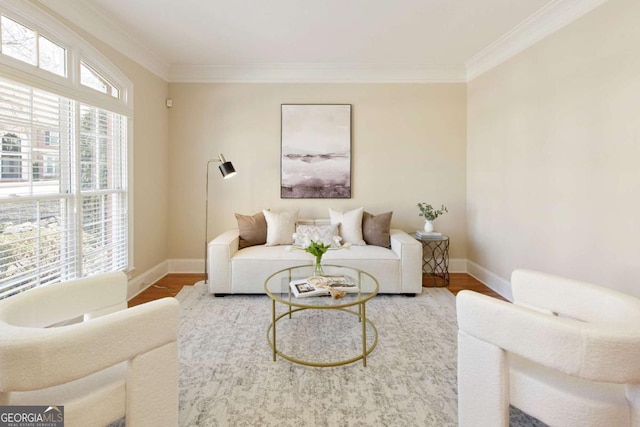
(227, 170)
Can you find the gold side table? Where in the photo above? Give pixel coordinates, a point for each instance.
(435, 259)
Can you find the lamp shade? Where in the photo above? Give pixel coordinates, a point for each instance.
(226, 168)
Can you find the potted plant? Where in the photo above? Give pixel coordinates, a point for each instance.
(430, 214)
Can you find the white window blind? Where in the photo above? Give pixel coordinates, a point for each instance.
(103, 190)
(63, 189)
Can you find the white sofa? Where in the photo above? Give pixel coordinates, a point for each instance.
(233, 271)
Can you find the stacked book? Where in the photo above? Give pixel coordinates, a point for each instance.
(428, 235)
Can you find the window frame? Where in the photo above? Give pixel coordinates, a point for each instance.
(77, 50)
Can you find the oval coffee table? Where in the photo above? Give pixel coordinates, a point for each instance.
(277, 288)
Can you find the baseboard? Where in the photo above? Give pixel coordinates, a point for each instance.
(490, 279)
(186, 266)
(146, 279)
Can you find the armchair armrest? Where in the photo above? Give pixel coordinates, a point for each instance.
(409, 250)
(573, 298)
(34, 358)
(221, 250)
(599, 352)
(47, 305)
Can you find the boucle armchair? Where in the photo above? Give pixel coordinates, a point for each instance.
(117, 363)
(566, 352)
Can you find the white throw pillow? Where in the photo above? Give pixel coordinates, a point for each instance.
(322, 233)
(280, 227)
(350, 225)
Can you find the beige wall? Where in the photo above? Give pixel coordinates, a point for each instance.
(408, 146)
(553, 152)
(151, 165)
(150, 159)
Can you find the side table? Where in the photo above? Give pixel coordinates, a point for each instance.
(435, 259)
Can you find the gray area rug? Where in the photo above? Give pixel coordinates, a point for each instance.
(228, 377)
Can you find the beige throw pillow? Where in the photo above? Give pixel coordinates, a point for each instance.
(253, 230)
(280, 227)
(350, 225)
(375, 229)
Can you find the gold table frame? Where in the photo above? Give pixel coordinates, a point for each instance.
(295, 305)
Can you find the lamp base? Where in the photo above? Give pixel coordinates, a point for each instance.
(201, 282)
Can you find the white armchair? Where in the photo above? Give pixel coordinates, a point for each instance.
(117, 363)
(566, 352)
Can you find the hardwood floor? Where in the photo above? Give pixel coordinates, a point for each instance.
(168, 286)
(462, 281)
(171, 284)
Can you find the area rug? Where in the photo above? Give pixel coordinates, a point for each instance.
(228, 376)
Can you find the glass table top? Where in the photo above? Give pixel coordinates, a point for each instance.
(365, 286)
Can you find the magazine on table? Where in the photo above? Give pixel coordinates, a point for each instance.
(321, 285)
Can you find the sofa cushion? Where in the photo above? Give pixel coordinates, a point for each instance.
(253, 230)
(350, 225)
(375, 229)
(251, 266)
(280, 227)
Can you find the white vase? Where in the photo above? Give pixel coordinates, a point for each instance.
(428, 226)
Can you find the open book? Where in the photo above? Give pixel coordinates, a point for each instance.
(322, 285)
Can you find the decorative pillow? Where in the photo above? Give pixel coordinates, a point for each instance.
(323, 233)
(350, 225)
(280, 227)
(253, 230)
(375, 229)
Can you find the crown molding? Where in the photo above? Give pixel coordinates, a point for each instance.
(95, 22)
(554, 16)
(317, 73)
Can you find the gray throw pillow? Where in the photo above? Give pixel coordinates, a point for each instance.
(375, 229)
(253, 230)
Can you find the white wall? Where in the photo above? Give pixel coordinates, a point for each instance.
(408, 146)
(553, 151)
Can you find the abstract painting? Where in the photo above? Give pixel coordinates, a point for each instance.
(316, 151)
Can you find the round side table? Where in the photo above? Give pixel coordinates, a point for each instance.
(435, 259)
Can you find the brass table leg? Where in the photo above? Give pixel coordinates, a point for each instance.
(363, 320)
(273, 322)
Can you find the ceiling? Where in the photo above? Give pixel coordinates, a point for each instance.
(368, 40)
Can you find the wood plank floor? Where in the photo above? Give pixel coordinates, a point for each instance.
(170, 285)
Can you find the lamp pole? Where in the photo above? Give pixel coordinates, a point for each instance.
(227, 170)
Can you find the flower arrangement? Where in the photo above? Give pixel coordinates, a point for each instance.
(317, 249)
(429, 213)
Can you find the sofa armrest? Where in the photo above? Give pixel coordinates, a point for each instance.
(221, 250)
(409, 250)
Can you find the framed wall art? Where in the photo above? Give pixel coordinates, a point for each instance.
(316, 151)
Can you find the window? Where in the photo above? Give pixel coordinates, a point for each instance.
(27, 45)
(94, 80)
(11, 163)
(64, 198)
